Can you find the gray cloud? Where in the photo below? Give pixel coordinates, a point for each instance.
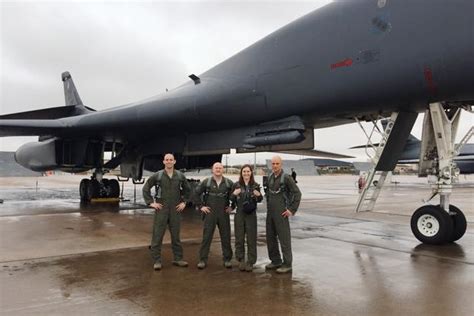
(121, 52)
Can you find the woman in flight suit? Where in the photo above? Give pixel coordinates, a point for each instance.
(246, 194)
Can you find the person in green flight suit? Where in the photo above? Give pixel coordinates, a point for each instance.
(283, 198)
(172, 190)
(245, 195)
(215, 207)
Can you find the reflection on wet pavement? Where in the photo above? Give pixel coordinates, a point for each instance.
(329, 278)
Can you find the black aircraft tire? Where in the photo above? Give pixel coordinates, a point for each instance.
(83, 190)
(104, 188)
(93, 190)
(432, 225)
(114, 188)
(459, 223)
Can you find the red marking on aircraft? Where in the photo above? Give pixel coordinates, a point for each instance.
(344, 63)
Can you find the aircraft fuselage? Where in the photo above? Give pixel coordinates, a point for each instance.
(344, 60)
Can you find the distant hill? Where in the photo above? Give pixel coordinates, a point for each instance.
(9, 167)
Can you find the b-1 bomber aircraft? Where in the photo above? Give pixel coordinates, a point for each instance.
(347, 61)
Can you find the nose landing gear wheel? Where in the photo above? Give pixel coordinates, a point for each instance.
(459, 223)
(432, 225)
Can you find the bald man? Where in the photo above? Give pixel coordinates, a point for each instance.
(171, 193)
(283, 199)
(215, 206)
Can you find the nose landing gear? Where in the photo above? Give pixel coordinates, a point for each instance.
(437, 224)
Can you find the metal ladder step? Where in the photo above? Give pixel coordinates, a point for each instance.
(464, 140)
(371, 190)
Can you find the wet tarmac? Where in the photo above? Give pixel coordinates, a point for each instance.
(59, 257)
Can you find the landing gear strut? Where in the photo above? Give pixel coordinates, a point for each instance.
(97, 187)
(437, 224)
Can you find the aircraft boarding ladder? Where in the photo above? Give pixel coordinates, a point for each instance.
(464, 140)
(375, 179)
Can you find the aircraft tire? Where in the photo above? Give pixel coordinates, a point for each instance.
(432, 225)
(459, 223)
(93, 190)
(105, 188)
(114, 188)
(83, 190)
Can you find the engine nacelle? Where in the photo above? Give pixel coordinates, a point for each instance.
(57, 153)
(38, 156)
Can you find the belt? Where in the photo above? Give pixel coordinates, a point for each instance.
(274, 192)
(217, 194)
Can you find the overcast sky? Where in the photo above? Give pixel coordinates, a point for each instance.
(120, 52)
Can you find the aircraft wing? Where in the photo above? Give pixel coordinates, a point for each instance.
(315, 153)
(363, 146)
(30, 127)
(42, 114)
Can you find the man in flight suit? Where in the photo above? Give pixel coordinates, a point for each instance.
(215, 195)
(172, 189)
(283, 199)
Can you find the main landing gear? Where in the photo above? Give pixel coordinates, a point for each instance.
(437, 224)
(97, 187)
